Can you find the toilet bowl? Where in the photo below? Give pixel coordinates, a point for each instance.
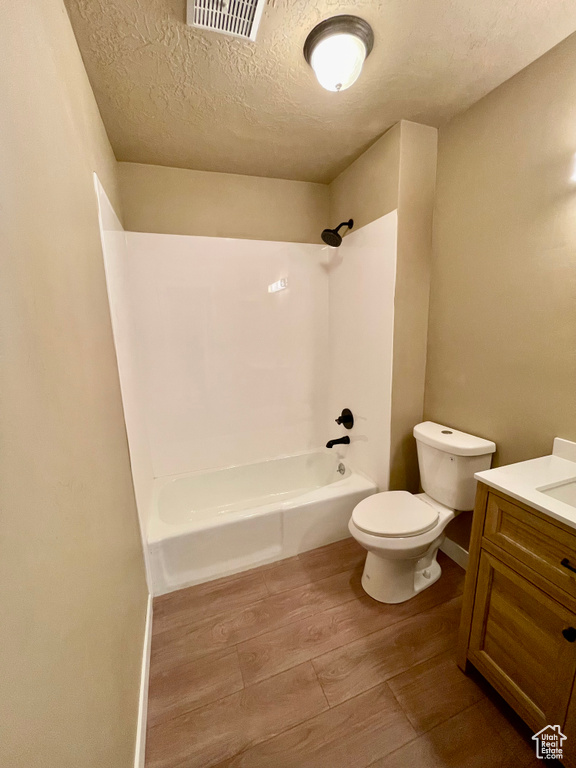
(402, 531)
(402, 534)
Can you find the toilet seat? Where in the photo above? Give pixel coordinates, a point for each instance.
(394, 514)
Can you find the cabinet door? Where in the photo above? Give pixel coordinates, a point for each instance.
(569, 731)
(523, 642)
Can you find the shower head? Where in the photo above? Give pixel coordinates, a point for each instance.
(333, 237)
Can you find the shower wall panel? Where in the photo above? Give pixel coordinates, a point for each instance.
(231, 371)
(362, 283)
(116, 264)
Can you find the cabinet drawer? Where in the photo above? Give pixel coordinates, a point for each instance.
(543, 546)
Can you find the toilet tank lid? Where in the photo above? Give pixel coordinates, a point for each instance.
(452, 440)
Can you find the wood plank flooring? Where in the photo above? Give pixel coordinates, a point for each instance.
(292, 665)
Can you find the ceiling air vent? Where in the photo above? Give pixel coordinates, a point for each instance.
(239, 18)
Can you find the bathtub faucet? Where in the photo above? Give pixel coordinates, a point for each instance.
(341, 441)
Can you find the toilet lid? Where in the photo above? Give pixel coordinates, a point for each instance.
(394, 513)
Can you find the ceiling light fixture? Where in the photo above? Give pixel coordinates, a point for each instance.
(336, 50)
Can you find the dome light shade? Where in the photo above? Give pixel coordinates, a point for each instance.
(336, 50)
(337, 61)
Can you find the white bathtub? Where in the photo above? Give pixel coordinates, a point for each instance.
(212, 524)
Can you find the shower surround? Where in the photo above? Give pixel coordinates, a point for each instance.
(219, 369)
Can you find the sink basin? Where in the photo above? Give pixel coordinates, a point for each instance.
(565, 491)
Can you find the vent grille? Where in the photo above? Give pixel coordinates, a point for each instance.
(239, 18)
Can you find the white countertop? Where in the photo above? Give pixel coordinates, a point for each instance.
(522, 480)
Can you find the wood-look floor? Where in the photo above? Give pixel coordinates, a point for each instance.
(292, 665)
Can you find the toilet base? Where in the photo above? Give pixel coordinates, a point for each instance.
(395, 581)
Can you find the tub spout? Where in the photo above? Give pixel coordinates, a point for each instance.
(341, 441)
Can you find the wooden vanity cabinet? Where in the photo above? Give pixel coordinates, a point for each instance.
(518, 625)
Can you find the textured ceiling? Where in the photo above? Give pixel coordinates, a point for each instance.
(173, 95)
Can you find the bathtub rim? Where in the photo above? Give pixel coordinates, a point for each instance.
(158, 530)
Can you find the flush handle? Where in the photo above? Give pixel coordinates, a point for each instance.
(566, 564)
(570, 634)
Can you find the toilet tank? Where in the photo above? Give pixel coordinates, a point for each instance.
(448, 460)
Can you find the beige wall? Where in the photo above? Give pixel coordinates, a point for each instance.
(417, 182)
(502, 339)
(399, 171)
(73, 593)
(182, 202)
(368, 188)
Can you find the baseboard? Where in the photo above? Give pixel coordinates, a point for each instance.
(455, 552)
(140, 752)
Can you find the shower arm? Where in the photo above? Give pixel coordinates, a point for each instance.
(344, 224)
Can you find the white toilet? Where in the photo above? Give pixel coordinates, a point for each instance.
(402, 532)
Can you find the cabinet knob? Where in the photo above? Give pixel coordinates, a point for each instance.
(566, 564)
(570, 634)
